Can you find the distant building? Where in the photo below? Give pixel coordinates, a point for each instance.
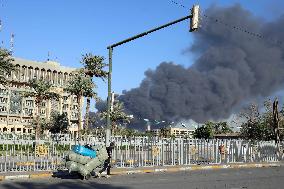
(182, 132)
(183, 128)
(156, 132)
(17, 112)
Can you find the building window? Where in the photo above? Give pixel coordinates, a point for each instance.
(4, 119)
(3, 91)
(43, 104)
(42, 111)
(74, 115)
(3, 100)
(65, 107)
(28, 112)
(65, 98)
(29, 103)
(3, 109)
(75, 99)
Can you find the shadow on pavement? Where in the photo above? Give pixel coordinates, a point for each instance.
(48, 184)
(65, 175)
(62, 174)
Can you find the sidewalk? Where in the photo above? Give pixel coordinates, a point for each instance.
(124, 171)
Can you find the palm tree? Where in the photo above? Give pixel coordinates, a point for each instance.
(81, 86)
(93, 67)
(41, 91)
(6, 66)
(117, 115)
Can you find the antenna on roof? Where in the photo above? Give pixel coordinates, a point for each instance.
(48, 55)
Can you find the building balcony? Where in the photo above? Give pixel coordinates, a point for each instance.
(3, 113)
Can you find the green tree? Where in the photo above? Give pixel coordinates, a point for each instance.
(81, 86)
(257, 126)
(210, 128)
(117, 115)
(149, 134)
(281, 122)
(6, 66)
(41, 90)
(128, 132)
(42, 123)
(221, 128)
(59, 123)
(205, 131)
(93, 67)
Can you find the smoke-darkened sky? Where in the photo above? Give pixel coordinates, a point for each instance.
(231, 68)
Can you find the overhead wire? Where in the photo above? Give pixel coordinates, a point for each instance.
(233, 26)
(178, 4)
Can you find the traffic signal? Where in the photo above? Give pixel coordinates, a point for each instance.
(194, 20)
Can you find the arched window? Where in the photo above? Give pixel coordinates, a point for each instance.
(30, 73)
(23, 73)
(36, 73)
(54, 77)
(48, 75)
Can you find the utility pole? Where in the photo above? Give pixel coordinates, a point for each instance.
(194, 25)
(276, 121)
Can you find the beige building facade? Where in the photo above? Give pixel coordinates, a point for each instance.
(17, 112)
(182, 128)
(181, 132)
(173, 131)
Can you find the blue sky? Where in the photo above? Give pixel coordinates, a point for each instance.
(70, 28)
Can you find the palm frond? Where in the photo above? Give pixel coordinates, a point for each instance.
(6, 66)
(41, 90)
(94, 66)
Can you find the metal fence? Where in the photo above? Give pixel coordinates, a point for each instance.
(23, 153)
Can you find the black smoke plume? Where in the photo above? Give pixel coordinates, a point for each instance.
(231, 68)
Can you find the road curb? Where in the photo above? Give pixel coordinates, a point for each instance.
(33, 176)
(127, 171)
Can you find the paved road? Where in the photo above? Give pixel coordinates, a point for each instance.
(258, 178)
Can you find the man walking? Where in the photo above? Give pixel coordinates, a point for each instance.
(107, 162)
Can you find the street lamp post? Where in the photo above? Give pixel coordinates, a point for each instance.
(193, 26)
(108, 129)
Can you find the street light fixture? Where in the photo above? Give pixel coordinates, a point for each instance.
(194, 24)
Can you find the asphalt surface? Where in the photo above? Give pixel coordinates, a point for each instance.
(254, 178)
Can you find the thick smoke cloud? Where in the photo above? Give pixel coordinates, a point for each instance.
(231, 68)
